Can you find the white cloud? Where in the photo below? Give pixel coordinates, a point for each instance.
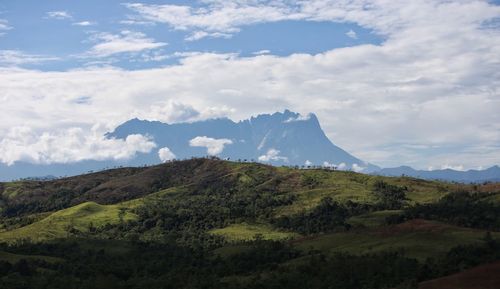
(299, 118)
(261, 52)
(428, 94)
(169, 112)
(16, 57)
(214, 146)
(357, 168)
(453, 167)
(308, 163)
(352, 34)
(341, 166)
(272, 155)
(4, 26)
(67, 146)
(137, 22)
(173, 112)
(197, 35)
(224, 17)
(59, 15)
(165, 154)
(127, 41)
(227, 17)
(84, 23)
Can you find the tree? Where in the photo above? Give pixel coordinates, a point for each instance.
(390, 197)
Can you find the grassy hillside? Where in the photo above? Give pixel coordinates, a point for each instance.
(246, 232)
(55, 207)
(82, 218)
(230, 222)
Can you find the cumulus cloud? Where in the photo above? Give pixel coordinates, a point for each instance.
(352, 34)
(341, 166)
(214, 146)
(84, 23)
(197, 35)
(262, 52)
(172, 111)
(67, 146)
(59, 15)
(453, 167)
(165, 154)
(272, 155)
(357, 168)
(126, 41)
(169, 112)
(4, 26)
(308, 163)
(438, 64)
(300, 117)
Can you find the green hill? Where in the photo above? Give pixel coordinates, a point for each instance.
(81, 218)
(233, 222)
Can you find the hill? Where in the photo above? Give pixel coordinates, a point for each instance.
(240, 224)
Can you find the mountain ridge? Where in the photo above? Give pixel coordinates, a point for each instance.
(490, 174)
(281, 138)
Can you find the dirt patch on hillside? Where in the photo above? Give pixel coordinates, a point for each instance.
(481, 277)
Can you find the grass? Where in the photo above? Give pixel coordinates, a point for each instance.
(246, 232)
(80, 217)
(12, 189)
(345, 186)
(419, 241)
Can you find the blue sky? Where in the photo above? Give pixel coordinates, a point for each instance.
(66, 31)
(393, 82)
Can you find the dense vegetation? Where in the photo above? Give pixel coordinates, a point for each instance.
(265, 264)
(458, 208)
(206, 223)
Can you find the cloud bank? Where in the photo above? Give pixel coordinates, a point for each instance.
(68, 146)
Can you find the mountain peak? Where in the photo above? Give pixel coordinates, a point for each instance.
(280, 138)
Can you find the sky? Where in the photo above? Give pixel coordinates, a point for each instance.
(393, 82)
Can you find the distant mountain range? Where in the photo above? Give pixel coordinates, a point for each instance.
(281, 138)
(490, 174)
